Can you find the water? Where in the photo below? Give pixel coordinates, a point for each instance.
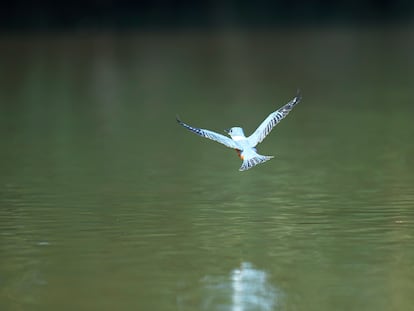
(106, 203)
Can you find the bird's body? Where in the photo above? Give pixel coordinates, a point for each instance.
(245, 146)
(246, 152)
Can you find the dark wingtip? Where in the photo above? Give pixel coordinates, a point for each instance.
(177, 117)
(298, 96)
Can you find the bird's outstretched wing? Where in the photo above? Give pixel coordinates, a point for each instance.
(211, 135)
(270, 122)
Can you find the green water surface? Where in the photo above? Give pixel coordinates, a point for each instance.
(107, 204)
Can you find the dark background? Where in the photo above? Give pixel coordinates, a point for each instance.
(45, 15)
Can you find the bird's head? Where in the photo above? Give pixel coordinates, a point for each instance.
(235, 132)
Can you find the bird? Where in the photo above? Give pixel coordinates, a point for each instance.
(246, 146)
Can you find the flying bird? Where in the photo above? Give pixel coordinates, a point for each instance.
(245, 146)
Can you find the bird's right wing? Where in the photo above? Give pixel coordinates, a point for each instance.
(228, 142)
(271, 121)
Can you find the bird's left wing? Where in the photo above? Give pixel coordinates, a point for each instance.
(210, 135)
(270, 122)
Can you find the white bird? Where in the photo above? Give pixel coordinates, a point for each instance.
(245, 146)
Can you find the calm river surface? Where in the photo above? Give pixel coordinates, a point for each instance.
(107, 204)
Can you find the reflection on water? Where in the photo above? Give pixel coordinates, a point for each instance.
(244, 288)
(251, 289)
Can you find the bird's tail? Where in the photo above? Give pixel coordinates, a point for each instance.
(248, 163)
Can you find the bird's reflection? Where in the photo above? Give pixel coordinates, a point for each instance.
(246, 288)
(251, 290)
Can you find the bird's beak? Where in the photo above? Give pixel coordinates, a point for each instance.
(227, 130)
